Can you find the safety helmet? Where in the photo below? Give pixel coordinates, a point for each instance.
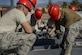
(33, 2)
(54, 11)
(74, 8)
(38, 14)
(26, 3)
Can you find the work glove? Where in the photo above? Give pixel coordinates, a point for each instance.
(58, 34)
(34, 31)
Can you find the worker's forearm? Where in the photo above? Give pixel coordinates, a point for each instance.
(52, 31)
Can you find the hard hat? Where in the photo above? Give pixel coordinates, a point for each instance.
(33, 2)
(26, 3)
(38, 14)
(74, 8)
(54, 11)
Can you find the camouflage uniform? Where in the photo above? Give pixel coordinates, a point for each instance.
(21, 40)
(9, 38)
(72, 34)
(73, 24)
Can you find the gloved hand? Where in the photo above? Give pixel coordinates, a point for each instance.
(58, 33)
(34, 31)
(40, 28)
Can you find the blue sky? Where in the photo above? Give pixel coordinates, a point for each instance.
(7, 2)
